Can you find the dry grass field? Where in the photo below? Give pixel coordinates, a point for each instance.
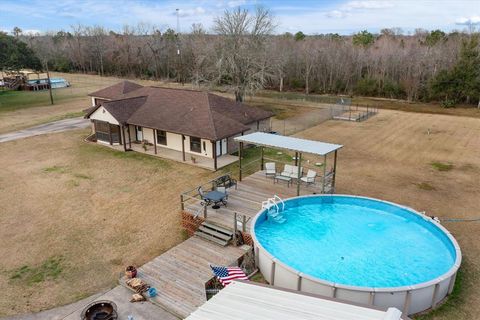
(74, 214)
(429, 162)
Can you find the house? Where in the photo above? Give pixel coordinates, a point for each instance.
(179, 124)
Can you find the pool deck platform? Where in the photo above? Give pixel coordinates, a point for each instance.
(246, 200)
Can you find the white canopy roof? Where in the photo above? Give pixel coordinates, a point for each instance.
(240, 300)
(289, 143)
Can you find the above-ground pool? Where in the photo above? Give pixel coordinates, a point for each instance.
(358, 249)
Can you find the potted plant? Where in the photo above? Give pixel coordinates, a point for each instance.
(130, 272)
(145, 146)
(194, 160)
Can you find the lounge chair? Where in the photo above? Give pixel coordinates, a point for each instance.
(310, 177)
(287, 171)
(270, 169)
(295, 174)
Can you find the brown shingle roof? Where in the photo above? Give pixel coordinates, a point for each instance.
(189, 112)
(115, 91)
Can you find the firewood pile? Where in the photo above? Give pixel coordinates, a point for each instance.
(140, 287)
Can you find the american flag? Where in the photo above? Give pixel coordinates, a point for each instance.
(227, 274)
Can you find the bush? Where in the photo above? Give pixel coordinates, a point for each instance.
(393, 90)
(448, 103)
(366, 87)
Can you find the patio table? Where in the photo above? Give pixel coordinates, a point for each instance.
(283, 178)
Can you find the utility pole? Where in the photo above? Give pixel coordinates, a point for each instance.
(180, 64)
(49, 83)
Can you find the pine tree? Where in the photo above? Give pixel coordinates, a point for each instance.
(462, 82)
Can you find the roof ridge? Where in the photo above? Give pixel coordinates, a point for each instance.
(210, 116)
(136, 97)
(180, 89)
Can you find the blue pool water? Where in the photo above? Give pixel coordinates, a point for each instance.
(357, 241)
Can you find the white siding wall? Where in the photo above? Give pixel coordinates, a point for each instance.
(101, 114)
(174, 141)
(148, 134)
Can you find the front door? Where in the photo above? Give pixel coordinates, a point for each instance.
(139, 132)
(221, 147)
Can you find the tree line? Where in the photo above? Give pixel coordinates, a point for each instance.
(243, 54)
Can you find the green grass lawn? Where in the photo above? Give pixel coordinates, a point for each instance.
(14, 100)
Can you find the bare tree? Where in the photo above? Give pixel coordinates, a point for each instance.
(240, 62)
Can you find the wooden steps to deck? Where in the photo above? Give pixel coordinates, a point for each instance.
(214, 233)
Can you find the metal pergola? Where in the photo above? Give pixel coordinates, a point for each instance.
(297, 145)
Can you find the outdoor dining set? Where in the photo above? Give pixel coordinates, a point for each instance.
(218, 195)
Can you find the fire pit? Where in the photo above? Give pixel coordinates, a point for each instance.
(100, 310)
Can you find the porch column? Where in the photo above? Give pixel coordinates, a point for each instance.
(122, 134)
(129, 138)
(183, 148)
(296, 158)
(334, 170)
(155, 140)
(110, 133)
(240, 151)
(214, 148)
(299, 158)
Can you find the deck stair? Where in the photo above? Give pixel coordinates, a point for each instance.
(214, 233)
(275, 207)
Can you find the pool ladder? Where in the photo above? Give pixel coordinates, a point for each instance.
(274, 211)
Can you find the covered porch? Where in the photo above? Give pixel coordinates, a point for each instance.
(166, 153)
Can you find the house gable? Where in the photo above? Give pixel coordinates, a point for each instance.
(102, 114)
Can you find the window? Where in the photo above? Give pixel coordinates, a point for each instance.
(195, 144)
(107, 132)
(161, 137)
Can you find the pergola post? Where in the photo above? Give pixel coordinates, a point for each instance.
(334, 170)
(214, 148)
(240, 151)
(324, 172)
(299, 158)
(261, 161)
(296, 158)
(155, 140)
(183, 148)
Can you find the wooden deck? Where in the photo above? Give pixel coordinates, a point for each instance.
(247, 199)
(180, 274)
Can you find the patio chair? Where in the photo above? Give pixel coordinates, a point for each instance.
(310, 177)
(270, 169)
(287, 171)
(223, 190)
(226, 181)
(295, 174)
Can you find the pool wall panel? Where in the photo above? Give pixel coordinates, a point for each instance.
(285, 277)
(353, 295)
(315, 287)
(421, 299)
